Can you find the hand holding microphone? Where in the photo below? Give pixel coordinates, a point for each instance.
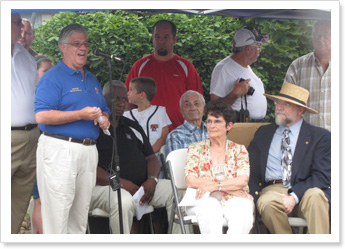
(106, 131)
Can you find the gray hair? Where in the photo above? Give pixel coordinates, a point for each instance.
(67, 31)
(32, 26)
(114, 83)
(189, 92)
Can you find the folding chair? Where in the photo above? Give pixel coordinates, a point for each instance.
(298, 224)
(176, 161)
(97, 212)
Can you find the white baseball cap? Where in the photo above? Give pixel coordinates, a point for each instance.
(247, 36)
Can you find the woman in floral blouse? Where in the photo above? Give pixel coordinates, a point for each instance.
(220, 167)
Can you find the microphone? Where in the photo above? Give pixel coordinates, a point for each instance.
(106, 131)
(98, 52)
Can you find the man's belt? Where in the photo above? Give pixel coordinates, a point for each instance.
(85, 141)
(27, 127)
(274, 182)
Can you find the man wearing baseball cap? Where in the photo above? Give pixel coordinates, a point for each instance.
(245, 97)
(290, 166)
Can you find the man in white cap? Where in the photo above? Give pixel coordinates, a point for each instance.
(290, 166)
(245, 97)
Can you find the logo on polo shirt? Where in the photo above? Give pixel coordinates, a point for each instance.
(97, 91)
(75, 89)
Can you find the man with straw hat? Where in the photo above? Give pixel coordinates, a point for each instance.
(290, 163)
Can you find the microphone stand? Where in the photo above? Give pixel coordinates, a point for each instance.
(116, 161)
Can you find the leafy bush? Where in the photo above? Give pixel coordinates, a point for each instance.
(204, 40)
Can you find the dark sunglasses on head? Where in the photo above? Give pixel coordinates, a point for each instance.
(18, 22)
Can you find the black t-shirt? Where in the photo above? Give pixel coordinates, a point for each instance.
(133, 147)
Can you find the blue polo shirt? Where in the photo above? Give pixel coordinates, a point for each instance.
(64, 89)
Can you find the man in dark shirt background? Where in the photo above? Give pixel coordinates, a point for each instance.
(138, 167)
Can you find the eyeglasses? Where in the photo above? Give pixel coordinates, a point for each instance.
(18, 22)
(79, 44)
(216, 122)
(282, 104)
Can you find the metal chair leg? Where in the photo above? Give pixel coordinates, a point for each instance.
(152, 230)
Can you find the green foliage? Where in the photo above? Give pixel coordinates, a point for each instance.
(204, 40)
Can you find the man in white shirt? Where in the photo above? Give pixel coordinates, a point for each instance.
(24, 130)
(226, 83)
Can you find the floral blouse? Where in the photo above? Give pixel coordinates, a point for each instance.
(199, 164)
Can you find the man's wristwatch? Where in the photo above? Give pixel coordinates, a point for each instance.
(154, 178)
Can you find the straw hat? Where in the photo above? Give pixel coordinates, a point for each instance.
(293, 94)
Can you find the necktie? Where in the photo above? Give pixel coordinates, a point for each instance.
(286, 158)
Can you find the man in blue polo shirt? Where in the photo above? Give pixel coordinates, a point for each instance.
(68, 101)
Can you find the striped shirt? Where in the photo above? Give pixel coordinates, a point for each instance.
(307, 72)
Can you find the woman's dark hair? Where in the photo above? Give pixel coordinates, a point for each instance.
(218, 108)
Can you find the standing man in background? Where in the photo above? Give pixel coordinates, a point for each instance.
(173, 74)
(27, 36)
(313, 72)
(24, 130)
(226, 83)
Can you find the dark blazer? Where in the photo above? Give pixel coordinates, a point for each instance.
(311, 164)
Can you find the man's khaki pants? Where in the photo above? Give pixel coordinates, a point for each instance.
(23, 173)
(163, 197)
(313, 207)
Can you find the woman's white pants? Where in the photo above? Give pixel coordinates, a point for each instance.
(211, 214)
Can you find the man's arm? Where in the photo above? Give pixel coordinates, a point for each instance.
(318, 162)
(161, 141)
(193, 80)
(102, 177)
(291, 73)
(102, 180)
(149, 185)
(55, 117)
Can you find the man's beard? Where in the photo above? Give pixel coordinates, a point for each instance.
(162, 52)
(283, 120)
